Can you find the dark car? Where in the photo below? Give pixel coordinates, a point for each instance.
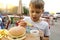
(46, 15)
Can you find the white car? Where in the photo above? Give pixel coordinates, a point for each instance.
(58, 14)
(55, 15)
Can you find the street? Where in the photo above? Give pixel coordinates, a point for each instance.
(55, 31)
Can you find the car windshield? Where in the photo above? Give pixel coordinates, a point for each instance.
(46, 14)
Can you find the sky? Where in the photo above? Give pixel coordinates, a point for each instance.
(9, 3)
(50, 5)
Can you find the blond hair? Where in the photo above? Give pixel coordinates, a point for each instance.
(37, 4)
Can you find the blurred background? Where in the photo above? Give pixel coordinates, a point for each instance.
(13, 10)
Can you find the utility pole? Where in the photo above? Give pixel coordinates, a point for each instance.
(20, 8)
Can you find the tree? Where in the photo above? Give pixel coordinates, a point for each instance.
(26, 11)
(13, 10)
(1, 10)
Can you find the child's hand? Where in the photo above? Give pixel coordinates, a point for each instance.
(29, 24)
(23, 23)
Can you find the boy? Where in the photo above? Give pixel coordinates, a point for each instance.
(36, 9)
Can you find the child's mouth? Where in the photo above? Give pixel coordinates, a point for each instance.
(34, 17)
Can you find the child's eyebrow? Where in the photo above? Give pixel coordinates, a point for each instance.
(38, 11)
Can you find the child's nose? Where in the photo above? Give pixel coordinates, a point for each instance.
(34, 14)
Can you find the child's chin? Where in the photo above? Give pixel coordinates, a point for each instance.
(34, 20)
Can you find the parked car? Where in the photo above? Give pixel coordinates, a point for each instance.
(55, 16)
(46, 15)
(58, 15)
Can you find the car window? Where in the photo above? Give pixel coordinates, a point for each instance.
(46, 14)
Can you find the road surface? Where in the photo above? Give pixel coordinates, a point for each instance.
(55, 31)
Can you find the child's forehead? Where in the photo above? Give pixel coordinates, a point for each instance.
(32, 8)
(35, 7)
(38, 6)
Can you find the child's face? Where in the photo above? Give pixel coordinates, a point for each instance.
(35, 13)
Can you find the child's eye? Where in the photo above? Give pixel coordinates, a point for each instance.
(37, 12)
(32, 11)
